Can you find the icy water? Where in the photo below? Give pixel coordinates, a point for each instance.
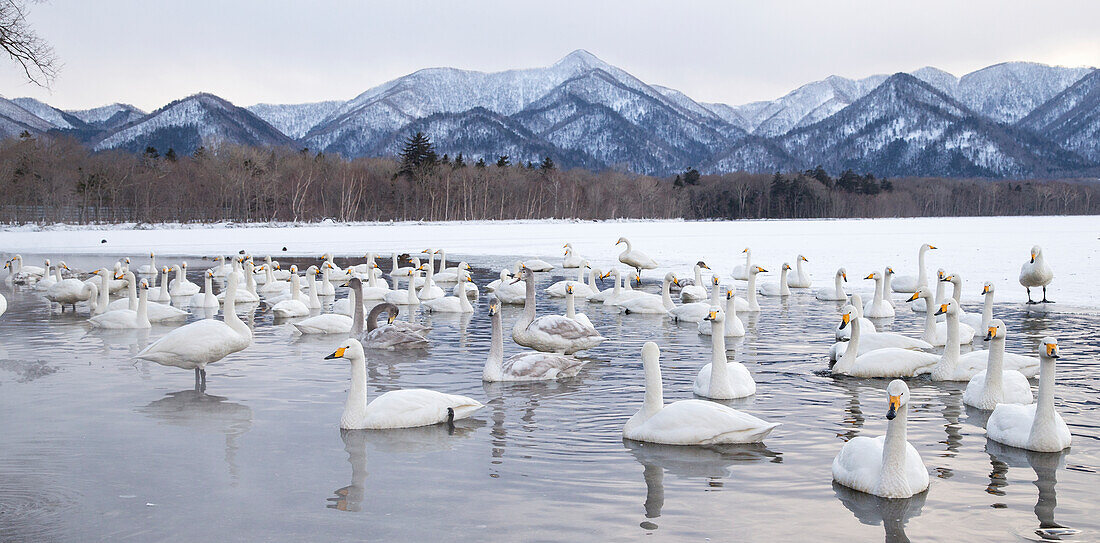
(97, 447)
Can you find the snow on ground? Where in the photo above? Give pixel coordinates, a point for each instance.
(979, 248)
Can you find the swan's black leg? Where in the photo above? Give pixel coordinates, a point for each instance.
(1029, 300)
(203, 373)
(1045, 300)
(197, 380)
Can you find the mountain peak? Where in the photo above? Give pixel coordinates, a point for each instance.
(581, 58)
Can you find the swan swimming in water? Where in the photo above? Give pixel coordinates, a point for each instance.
(741, 273)
(645, 302)
(887, 466)
(580, 289)
(1037, 426)
(995, 385)
(955, 367)
(126, 318)
(801, 277)
(572, 259)
(734, 326)
(836, 292)
(695, 292)
(402, 408)
(722, 379)
(203, 342)
(527, 366)
(688, 422)
(909, 283)
(571, 308)
(936, 332)
(886, 362)
(1036, 273)
(392, 336)
(782, 288)
(878, 307)
(451, 304)
(843, 332)
(550, 333)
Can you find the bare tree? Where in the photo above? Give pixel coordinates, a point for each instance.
(24, 46)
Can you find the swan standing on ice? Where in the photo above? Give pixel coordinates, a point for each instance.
(887, 466)
(1038, 426)
(529, 366)
(1036, 273)
(403, 408)
(721, 379)
(782, 288)
(734, 326)
(836, 293)
(635, 258)
(909, 283)
(886, 362)
(878, 307)
(572, 259)
(688, 422)
(741, 273)
(996, 385)
(695, 292)
(801, 277)
(392, 336)
(550, 333)
(204, 342)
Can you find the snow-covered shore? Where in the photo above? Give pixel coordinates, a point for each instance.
(978, 248)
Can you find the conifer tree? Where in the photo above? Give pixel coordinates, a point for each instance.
(503, 161)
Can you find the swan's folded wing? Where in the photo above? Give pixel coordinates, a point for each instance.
(915, 471)
(558, 325)
(859, 462)
(542, 365)
(1011, 424)
(693, 422)
(416, 407)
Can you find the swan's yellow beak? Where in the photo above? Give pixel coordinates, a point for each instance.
(704, 266)
(469, 279)
(569, 289)
(493, 308)
(913, 297)
(985, 289)
(991, 333)
(338, 354)
(746, 250)
(948, 278)
(895, 404)
(889, 270)
(759, 269)
(711, 316)
(1052, 350)
(931, 246)
(804, 259)
(943, 309)
(870, 276)
(844, 276)
(844, 320)
(390, 319)
(1032, 258)
(714, 280)
(729, 293)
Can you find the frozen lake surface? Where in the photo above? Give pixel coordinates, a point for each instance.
(99, 447)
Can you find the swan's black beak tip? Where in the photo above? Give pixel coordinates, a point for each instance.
(891, 414)
(331, 356)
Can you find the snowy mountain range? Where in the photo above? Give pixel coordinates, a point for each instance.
(1014, 119)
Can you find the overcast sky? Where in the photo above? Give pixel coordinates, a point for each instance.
(149, 53)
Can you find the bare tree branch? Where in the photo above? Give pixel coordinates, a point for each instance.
(24, 46)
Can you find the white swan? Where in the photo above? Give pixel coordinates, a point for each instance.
(887, 466)
(696, 292)
(69, 292)
(741, 273)
(180, 286)
(312, 287)
(527, 366)
(936, 332)
(452, 275)
(206, 299)
(467, 285)
(580, 289)
(390, 336)
(538, 265)
(272, 285)
(750, 289)
(645, 302)
(52, 276)
(155, 312)
(572, 259)
(571, 308)
(801, 277)
(331, 323)
(512, 289)
(836, 292)
(843, 332)
(970, 319)
(402, 408)
(1037, 426)
(697, 311)
(918, 305)
(734, 326)
(870, 340)
(127, 318)
(3, 304)
(408, 297)
(987, 308)
(21, 274)
(150, 268)
(910, 283)
(887, 362)
(955, 367)
(375, 290)
(450, 304)
(1036, 273)
(430, 290)
(403, 271)
(550, 333)
(887, 289)
(878, 307)
(621, 291)
(203, 342)
(221, 268)
(634, 258)
(246, 294)
(782, 288)
(688, 422)
(295, 306)
(996, 385)
(159, 294)
(721, 379)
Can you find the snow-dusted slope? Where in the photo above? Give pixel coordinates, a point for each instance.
(109, 116)
(809, 103)
(14, 120)
(295, 120)
(56, 118)
(1072, 118)
(1009, 91)
(199, 120)
(908, 127)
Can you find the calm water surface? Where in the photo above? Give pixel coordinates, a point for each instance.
(97, 446)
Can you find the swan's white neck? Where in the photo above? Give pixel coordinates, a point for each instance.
(143, 308)
(295, 288)
(103, 295)
(131, 291)
(493, 364)
(956, 290)
(355, 296)
(878, 292)
(528, 303)
(208, 287)
(987, 311)
(994, 372)
(750, 292)
(698, 275)
(570, 306)
(945, 368)
(719, 372)
(314, 301)
(666, 297)
(592, 281)
(464, 296)
(1043, 428)
(922, 276)
(580, 274)
(411, 298)
(731, 313)
(838, 282)
(783, 288)
(852, 351)
(893, 481)
(429, 279)
(798, 267)
(939, 293)
(356, 406)
(654, 393)
(230, 310)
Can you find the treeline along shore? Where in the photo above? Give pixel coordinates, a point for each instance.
(56, 179)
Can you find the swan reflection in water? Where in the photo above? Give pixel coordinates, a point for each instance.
(1045, 465)
(892, 513)
(711, 463)
(197, 410)
(437, 437)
